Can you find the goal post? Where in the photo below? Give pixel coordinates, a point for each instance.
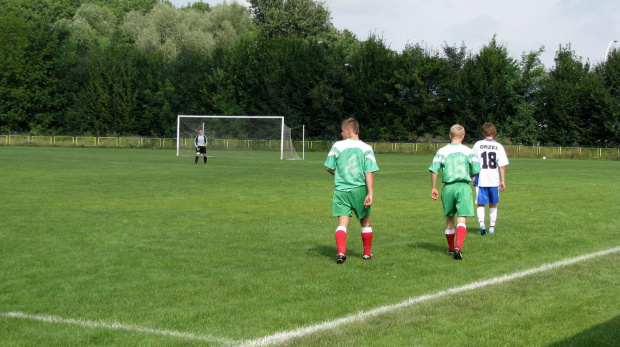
(239, 132)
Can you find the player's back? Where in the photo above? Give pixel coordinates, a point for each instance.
(351, 159)
(491, 155)
(458, 162)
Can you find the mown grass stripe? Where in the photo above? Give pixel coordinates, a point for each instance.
(283, 337)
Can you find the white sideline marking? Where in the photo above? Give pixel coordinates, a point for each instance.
(285, 336)
(118, 326)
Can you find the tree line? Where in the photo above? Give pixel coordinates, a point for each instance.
(117, 67)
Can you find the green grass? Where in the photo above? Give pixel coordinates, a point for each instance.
(243, 248)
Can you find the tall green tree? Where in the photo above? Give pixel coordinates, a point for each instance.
(422, 79)
(610, 72)
(172, 31)
(107, 104)
(300, 18)
(575, 105)
(30, 98)
(487, 89)
(522, 127)
(369, 90)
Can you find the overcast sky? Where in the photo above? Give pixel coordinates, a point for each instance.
(520, 25)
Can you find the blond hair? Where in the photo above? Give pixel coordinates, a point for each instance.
(456, 131)
(352, 124)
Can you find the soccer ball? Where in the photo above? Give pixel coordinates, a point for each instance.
(544, 157)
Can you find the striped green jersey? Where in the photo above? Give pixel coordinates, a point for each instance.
(351, 159)
(458, 162)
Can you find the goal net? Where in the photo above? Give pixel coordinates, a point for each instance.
(237, 133)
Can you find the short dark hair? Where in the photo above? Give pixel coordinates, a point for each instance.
(352, 124)
(489, 129)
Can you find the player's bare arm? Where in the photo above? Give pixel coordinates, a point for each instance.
(370, 183)
(502, 178)
(434, 192)
(331, 171)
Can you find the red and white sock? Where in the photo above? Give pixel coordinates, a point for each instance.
(461, 231)
(450, 238)
(341, 240)
(367, 239)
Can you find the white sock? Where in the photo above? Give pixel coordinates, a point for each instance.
(480, 213)
(492, 218)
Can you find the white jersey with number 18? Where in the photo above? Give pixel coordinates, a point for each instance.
(492, 156)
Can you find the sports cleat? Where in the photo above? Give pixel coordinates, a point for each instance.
(340, 258)
(367, 256)
(491, 232)
(483, 230)
(451, 252)
(457, 254)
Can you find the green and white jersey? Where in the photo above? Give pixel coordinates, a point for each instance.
(351, 159)
(458, 162)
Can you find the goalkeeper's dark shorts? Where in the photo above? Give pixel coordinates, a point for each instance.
(201, 150)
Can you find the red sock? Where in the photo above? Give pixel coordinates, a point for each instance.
(461, 231)
(341, 241)
(367, 241)
(450, 238)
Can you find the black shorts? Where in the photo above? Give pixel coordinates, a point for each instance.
(201, 150)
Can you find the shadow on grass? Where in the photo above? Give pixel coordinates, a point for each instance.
(330, 251)
(433, 247)
(605, 334)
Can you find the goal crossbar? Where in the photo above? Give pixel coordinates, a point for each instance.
(281, 118)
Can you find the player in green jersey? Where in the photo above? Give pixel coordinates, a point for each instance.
(459, 164)
(353, 163)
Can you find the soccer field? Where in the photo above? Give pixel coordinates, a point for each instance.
(121, 247)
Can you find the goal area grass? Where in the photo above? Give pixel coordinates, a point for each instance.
(133, 247)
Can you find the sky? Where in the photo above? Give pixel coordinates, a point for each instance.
(589, 26)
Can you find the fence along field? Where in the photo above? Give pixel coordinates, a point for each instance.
(243, 249)
(519, 151)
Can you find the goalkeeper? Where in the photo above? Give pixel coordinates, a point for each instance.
(201, 146)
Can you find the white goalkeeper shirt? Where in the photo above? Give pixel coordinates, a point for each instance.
(491, 155)
(200, 141)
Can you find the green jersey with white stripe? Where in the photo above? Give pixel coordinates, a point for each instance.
(351, 159)
(458, 162)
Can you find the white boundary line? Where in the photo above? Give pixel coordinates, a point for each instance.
(118, 326)
(285, 336)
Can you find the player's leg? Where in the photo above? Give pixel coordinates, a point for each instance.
(449, 211)
(481, 201)
(341, 208)
(367, 236)
(362, 212)
(450, 234)
(197, 155)
(493, 201)
(341, 238)
(461, 231)
(204, 154)
(464, 209)
(492, 218)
